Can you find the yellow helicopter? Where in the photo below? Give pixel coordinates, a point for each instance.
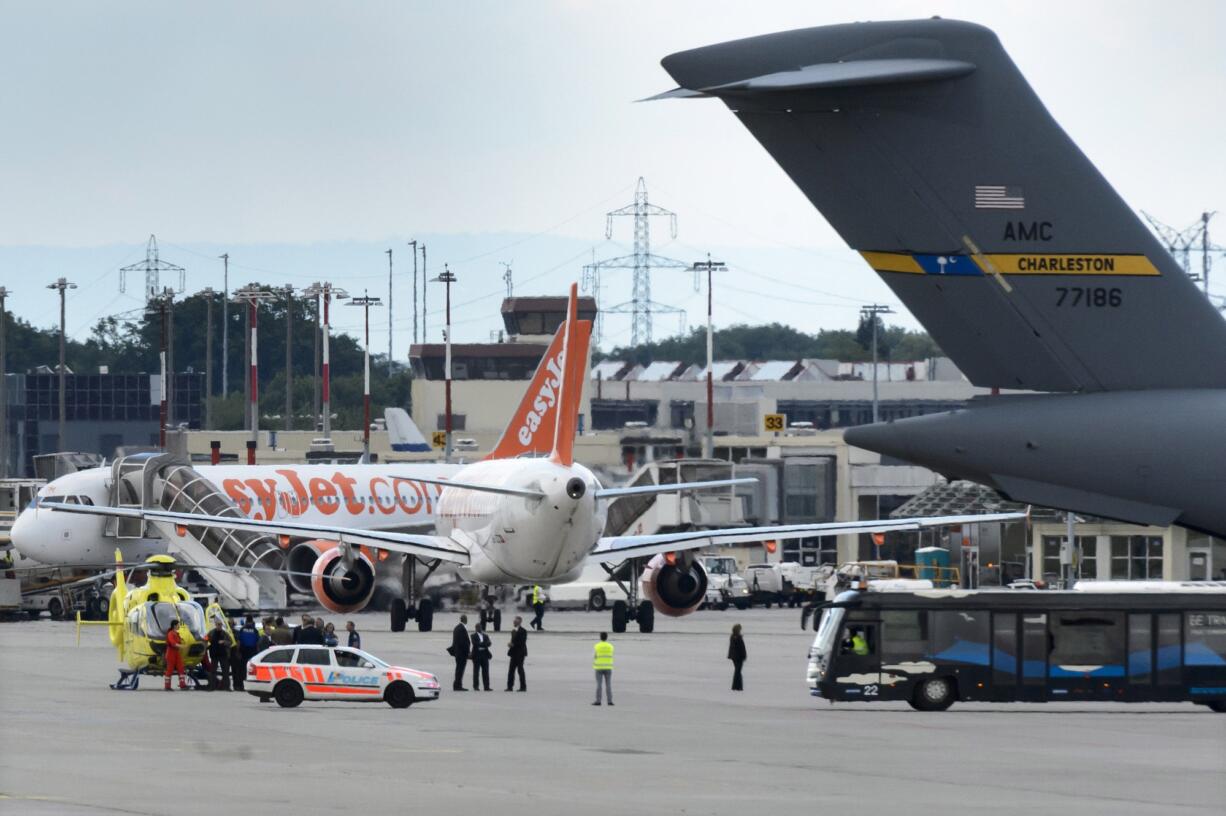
(139, 617)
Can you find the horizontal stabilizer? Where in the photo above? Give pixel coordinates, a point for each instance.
(614, 492)
(481, 488)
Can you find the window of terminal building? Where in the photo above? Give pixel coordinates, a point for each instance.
(1136, 558)
(1086, 568)
(458, 422)
(812, 552)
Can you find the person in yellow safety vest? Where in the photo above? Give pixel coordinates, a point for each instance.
(602, 662)
(538, 606)
(858, 644)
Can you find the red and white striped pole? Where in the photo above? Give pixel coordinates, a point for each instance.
(255, 383)
(325, 388)
(366, 302)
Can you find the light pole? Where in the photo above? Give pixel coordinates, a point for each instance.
(327, 291)
(871, 312)
(207, 293)
(163, 302)
(4, 401)
(365, 301)
(447, 278)
(288, 291)
(252, 295)
(225, 325)
(389, 313)
(425, 274)
(413, 244)
(708, 445)
(61, 284)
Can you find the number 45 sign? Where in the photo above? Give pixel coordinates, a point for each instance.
(774, 423)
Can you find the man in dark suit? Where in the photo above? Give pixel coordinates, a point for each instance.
(459, 650)
(481, 658)
(517, 650)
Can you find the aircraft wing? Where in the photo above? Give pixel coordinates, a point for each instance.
(425, 546)
(617, 547)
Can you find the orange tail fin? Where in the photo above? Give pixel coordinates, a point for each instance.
(574, 356)
(533, 428)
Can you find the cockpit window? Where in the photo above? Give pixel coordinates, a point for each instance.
(159, 616)
(52, 499)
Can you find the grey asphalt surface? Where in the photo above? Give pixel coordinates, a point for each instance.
(678, 740)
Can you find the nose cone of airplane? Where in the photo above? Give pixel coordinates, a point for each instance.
(22, 533)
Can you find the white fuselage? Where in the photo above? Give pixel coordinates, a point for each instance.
(363, 497)
(518, 539)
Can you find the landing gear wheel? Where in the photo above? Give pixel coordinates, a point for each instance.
(936, 694)
(399, 695)
(619, 616)
(400, 614)
(497, 618)
(647, 617)
(288, 694)
(55, 609)
(425, 615)
(596, 601)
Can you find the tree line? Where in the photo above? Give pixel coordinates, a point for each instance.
(130, 345)
(778, 342)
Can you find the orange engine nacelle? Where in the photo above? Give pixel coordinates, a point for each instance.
(304, 554)
(674, 588)
(301, 561)
(339, 588)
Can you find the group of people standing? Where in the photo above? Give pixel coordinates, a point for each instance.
(477, 648)
(228, 650)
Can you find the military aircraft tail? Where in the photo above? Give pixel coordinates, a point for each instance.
(926, 149)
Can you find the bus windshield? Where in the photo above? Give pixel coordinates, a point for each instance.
(828, 629)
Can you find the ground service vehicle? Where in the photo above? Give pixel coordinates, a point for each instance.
(725, 587)
(291, 674)
(931, 647)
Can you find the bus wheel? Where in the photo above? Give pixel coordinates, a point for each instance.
(1217, 705)
(936, 694)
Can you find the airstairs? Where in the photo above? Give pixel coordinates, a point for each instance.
(246, 562)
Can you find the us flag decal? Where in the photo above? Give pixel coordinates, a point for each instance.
(999, 197)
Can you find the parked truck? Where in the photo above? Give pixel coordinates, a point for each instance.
(725, 585)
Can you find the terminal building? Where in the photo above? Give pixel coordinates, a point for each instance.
(103, 412)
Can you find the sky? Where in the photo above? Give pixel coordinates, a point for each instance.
(306, 138)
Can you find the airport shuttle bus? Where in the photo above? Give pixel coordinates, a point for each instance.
(930, 648)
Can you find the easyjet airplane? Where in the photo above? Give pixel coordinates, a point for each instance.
(510, 519)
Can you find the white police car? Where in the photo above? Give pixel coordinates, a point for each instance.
(291, 674)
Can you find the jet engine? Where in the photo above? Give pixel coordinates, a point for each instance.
(302, 558)
(675, 585)
(340, 588)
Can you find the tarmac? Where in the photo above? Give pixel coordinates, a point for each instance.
(678, 740)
